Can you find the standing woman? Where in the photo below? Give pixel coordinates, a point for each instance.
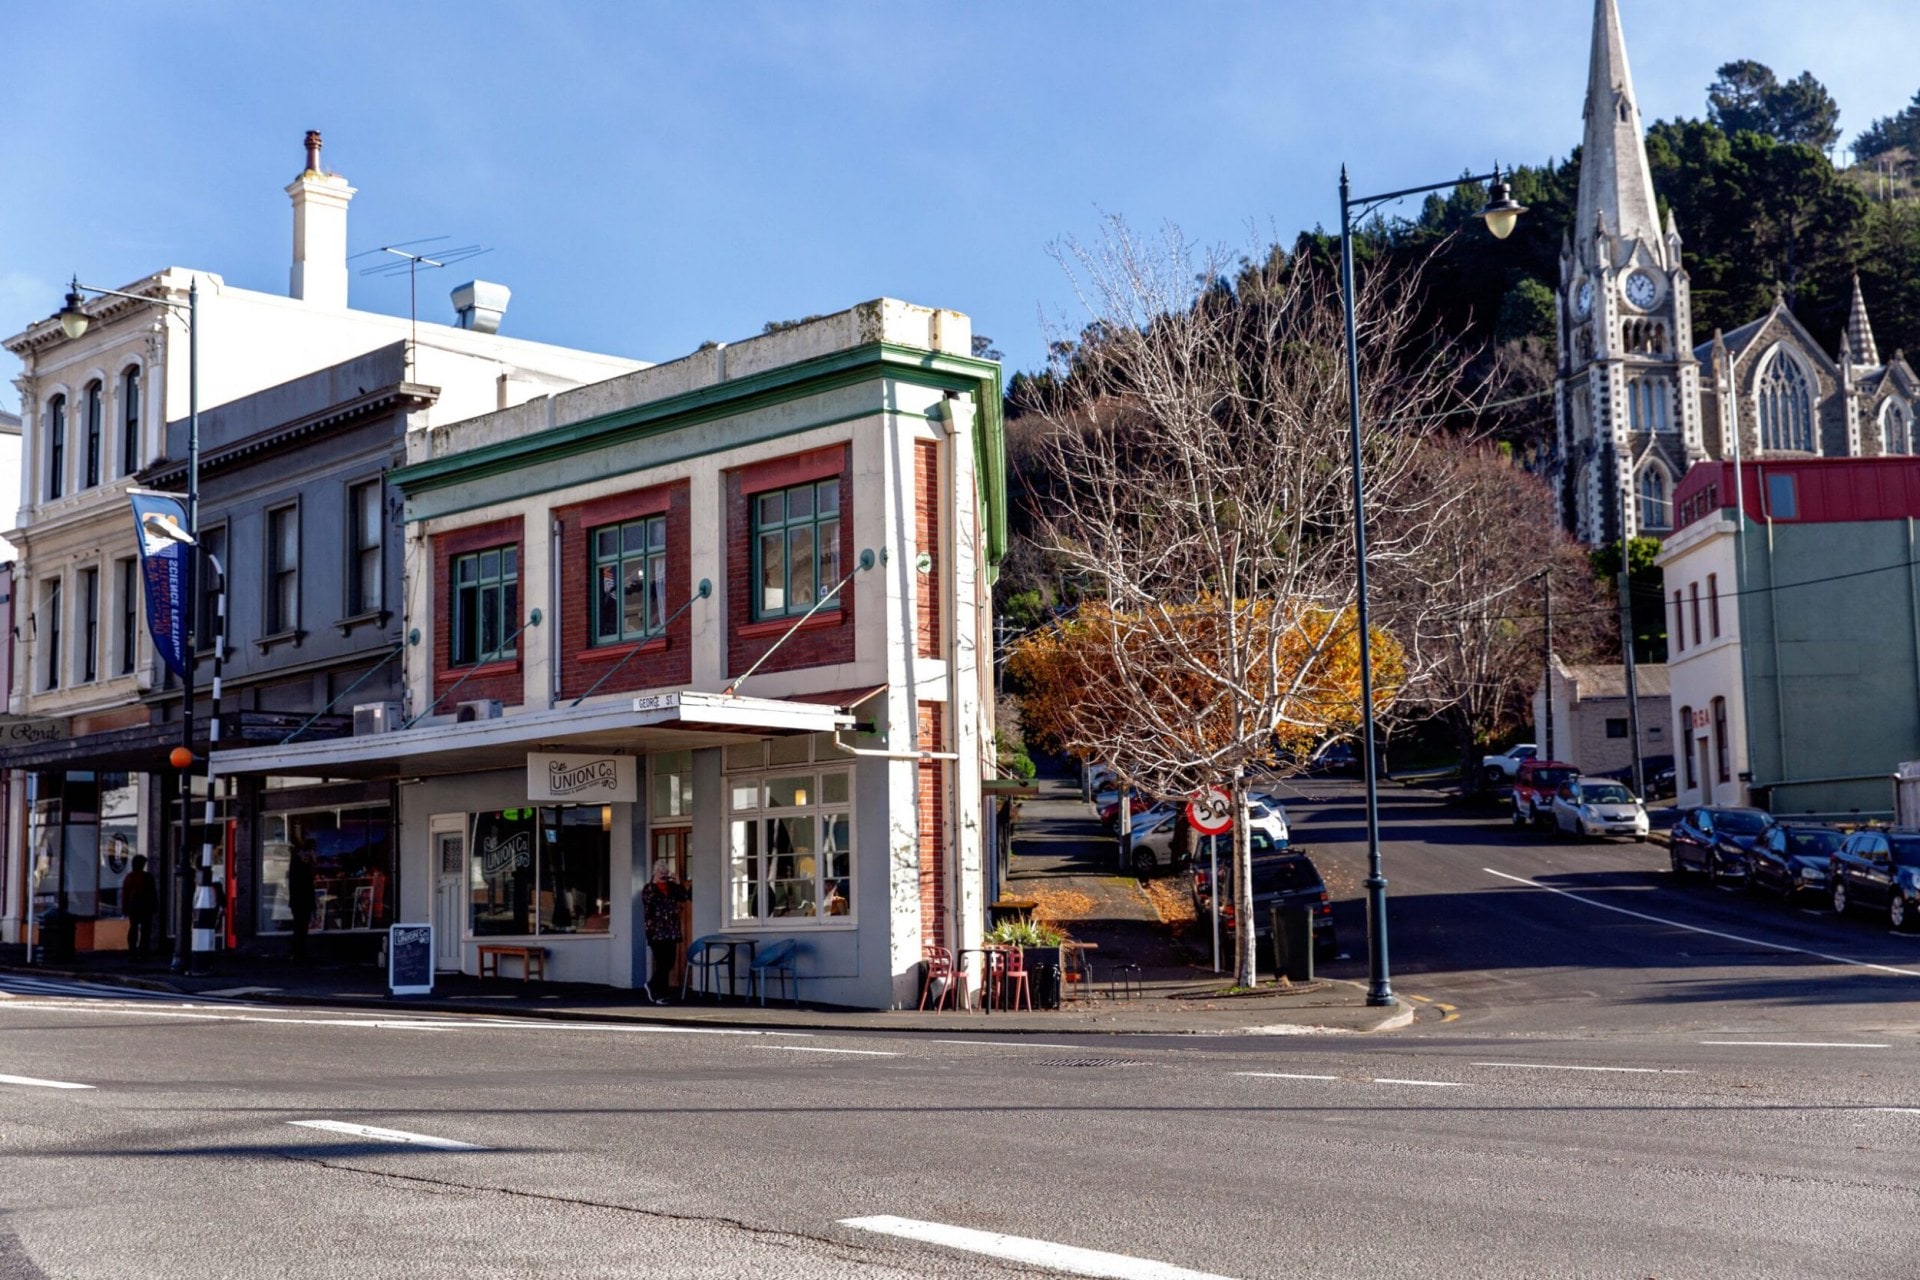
(660, 909)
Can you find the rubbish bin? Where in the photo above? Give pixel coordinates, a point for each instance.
(1292, 941)
(56, 928)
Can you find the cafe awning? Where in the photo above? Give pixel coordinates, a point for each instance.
(656, 722)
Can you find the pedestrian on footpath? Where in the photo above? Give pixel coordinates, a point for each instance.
(300, 895)
(140, 900)
(660, 910)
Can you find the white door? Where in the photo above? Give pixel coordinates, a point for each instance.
(449, 837)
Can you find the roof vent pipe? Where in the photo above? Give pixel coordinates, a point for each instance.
(479, 305)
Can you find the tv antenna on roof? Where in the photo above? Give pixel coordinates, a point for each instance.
(410, 266)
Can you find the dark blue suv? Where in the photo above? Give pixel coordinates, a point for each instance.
(1880, 869)
(1717, 840)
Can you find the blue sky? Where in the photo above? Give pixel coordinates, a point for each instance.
(652, 175)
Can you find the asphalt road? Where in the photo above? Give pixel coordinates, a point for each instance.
(1622, 1078)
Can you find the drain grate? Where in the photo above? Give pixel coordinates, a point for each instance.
(1090, 1062)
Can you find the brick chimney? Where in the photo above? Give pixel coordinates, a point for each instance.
(319, 274)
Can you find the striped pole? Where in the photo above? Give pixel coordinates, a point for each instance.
(206, 898)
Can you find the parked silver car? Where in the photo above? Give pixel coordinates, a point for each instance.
(1596, 807)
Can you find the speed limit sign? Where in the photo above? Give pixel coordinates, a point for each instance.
(1210, 811)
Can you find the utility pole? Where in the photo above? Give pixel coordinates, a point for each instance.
(1546, 746)
(1626, 657)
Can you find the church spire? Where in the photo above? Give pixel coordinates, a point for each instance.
(1614, 179)
(1859, 340)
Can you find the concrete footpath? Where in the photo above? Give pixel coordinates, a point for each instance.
(1191, 1008)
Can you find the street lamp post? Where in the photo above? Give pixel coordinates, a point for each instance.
(1500, 213)
(73, 322)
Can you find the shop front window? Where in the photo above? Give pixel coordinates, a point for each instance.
(790, 847)
(538, 871)
(352, 852)
(672, 785)
(119, 837)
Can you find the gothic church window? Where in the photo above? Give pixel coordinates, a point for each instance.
(1656, 501)
(1896, 428)
(1786, 406)
(1647, 405)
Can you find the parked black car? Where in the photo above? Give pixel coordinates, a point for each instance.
(1287, 878)
(1794, 857)
(1717, 840)
(1656, 771)
(1880, 869)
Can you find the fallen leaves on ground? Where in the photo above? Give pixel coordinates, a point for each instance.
(1056, 906)
(1171, 904)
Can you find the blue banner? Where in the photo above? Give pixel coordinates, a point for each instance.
(164, 566)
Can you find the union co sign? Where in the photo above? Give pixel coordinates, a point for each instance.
(582, 779)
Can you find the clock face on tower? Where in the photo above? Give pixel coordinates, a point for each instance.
(1641, 290)
(1583, 300)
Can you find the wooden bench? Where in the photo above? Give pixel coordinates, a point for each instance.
(533, 960)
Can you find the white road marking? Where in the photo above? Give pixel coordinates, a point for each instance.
(1283, 1075)
(1711, 933)
(194, 1013)
(1039, 1253)
(808, 1048)
(42, 1084)
(1008, 1044)
(1431, 1084)
(1904, 1111)
(386, 1135)
(1557, 1066)
(1801, 1044)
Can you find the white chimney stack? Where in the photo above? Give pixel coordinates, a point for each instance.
(320, 199)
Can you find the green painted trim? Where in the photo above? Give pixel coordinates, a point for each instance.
(736, 396)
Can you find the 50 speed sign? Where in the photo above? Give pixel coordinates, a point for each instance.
(1210, 811)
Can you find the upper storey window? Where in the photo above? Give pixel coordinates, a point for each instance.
(130, 420)
(630, 580)
(56, 446)
(486, 594)
(96, 411)
(1786, 406)
(1647, 405)
(796, 548)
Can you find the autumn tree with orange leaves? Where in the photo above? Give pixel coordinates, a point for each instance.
(1198, 501)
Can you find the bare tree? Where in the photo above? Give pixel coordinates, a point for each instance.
(1468, 605)
(1200, 502)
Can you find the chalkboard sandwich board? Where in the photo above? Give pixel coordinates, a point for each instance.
(410, 959)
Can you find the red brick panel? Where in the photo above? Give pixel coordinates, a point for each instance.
(926, 497)
(660, 662)
(932, 805)
(502, 680)
(828, 636)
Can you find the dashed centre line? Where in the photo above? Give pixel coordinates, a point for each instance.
(1283, 1075)
(37, 1083)
(1561, 1066)
(808, 1048)
(386, 1135)
(1430, 1084)
(1040, 1253)
(1801, 1044)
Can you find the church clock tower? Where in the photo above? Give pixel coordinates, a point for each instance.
(1627, 391)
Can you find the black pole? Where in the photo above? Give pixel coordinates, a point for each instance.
(1546, 746)
(1626, 660)
(1379, 984)
(183, 882)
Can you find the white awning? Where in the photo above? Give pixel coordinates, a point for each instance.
(656, 722)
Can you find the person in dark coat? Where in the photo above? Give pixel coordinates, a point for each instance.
(140, 900)
(660, 910)
(300, 895)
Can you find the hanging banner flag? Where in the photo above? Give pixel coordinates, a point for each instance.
(160, 521)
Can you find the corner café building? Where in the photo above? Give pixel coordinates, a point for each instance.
(728, 612)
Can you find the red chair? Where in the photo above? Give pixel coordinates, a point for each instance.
(1014, 978)
(939, 963)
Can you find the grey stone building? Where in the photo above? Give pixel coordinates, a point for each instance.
(1637, 401)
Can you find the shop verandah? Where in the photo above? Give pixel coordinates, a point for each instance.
(541, 828)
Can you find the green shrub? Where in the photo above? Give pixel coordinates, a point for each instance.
(1015, 933)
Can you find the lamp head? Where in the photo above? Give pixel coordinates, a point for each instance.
(73, 316)
(163, 526)
(1502, 209)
